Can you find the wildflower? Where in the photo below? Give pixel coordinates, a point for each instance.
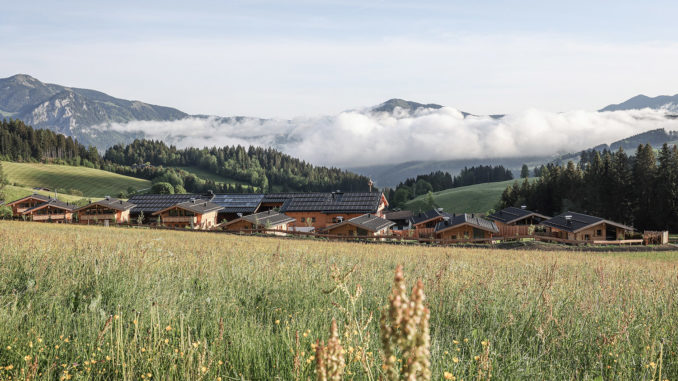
(476, 358)
(448, 376)
(455, 360)
(456, 342)
(9, 367)
(135, 322)
(204, 369)
(9, 348)
(168, 328)
(221, 362)
(116, 317)
(218, 378)
(66, 340)
(166, 341)
(108, 358)
(446, 353)
(39, 340)
(653, 365)
(465, 340)
(195, 345)
(483, 343)
(27, 357)
(277, 321)
(149, 375)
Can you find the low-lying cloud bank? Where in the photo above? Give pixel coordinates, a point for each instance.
(358, 138)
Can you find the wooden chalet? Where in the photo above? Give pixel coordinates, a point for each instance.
(465, 226)
(401, 218)
(147, 204)
(361, 226)
(195, 213)
(106, 211)
(234, 206)
(23, 204)
(582, 227)
(50, 211)
(320, 210)
(513, 221)
(269, 220)
(423, 224)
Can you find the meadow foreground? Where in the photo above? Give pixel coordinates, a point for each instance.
(80, 302)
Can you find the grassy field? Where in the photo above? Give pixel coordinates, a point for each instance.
(477, 198)
(12, 193)
(112, 303)
(91, 182)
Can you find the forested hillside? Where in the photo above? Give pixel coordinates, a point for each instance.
(438, 181)
(640, 190)
(262, 168)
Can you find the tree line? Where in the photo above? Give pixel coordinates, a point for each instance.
(440, 180)
(639, 190)
(247, 168)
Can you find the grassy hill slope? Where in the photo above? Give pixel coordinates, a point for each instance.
(477, 198)
(68, 179)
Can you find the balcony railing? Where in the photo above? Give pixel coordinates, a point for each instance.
(185, 219)
(47, 217)
(97, 217)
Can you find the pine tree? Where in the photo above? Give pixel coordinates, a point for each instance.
(667, 188)
(644, 174)
(3, 182)
(525, 172)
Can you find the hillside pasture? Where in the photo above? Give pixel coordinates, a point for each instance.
(91, 182)
(99, 303)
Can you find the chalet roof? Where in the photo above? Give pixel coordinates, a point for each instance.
(111, 203)
(197, 206)
(456, 220)
(238, 203)
(151, 203)
(579, 222)
(53, 203)
(399, 215)
(279, 198)
(368, 221)
(334, 202)
(34, 196)
(270, 218)
(428, 215)
(513, 214)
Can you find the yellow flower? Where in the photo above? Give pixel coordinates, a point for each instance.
(168, 328)
(149, 375)
(116, 317)
(448, 376)
(9, 367)
(9, 348)
(166, 341)
(456, 342)
(195, 345)
(218, 378)
(39, 340)
(108, 358)
(466, 340)
(221, 362)
(135, 322)
(446, 352)
(27, 357)
(277, 321)
(455, 360)
(204, 369)
(476, 358)
(653, 365)
(56, 347)
(483, 343)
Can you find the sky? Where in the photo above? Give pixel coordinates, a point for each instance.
(288, 59)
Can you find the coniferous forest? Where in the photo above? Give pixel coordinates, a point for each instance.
(639, 190)
(264, 169)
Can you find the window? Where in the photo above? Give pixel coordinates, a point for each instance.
(599, 232)
(312, 219)
(587, 237)
(303, 219)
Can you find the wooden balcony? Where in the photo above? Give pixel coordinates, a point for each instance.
(97, 217)
(48, 217)
(182, 219)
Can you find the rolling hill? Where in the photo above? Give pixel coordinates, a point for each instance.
(70, 180)
(477, 198)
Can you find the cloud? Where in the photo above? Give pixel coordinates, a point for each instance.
(360, 137)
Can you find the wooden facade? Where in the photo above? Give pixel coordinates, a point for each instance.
(599, 232)
(350, 230)
(178, 217)
(464, 231)
(94, 214)
(23, 204)
(49, 212)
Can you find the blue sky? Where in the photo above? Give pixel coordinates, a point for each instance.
(284, 59)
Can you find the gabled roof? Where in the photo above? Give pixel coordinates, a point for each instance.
(458, 220)
(111, 203)
(279, 198)
(196, 206)
(513, 214)
(33, 196)
(53, 203)
(270, 218)
(429, 215)
(238, 203)
(151, 203)
(579, 222)
(366, 221)
(399, 215)
(334, 202)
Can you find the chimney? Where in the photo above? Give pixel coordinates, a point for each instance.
(193, 200)
(440, 210)
(523, 207)
(107, 198)
(568, 218)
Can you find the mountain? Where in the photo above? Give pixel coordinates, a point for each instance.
(662, 102)
(73, 111)
(390, 105)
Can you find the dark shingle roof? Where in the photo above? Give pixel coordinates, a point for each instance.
(578, 222)
(366, 221)
(52, 202)
(428, 215)
(399, 215)
(335, 202)
(511, 214)
(460, 219)
(34, 195)
(112, 203)
(270, 218)
(279, 197)
(238, 203)
(195, 206)
(151, 203)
